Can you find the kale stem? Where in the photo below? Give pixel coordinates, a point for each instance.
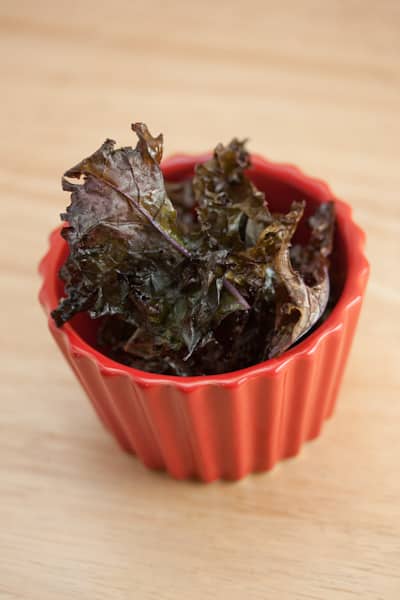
(236, 294)
(150, 219)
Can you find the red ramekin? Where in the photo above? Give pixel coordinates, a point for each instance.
(224, 426)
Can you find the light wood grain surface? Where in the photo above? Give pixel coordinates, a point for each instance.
(314, 83)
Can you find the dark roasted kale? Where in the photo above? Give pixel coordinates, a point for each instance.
(190, 278)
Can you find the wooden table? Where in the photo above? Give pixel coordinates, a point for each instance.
(314, 83)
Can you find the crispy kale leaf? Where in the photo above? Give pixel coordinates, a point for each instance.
(129, 258)
(193, 277)
(231, 211)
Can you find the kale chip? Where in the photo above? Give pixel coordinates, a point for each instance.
(189, 278)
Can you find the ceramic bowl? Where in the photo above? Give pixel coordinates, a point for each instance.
(224, 426)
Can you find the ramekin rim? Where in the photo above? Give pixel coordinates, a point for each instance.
(358, 269)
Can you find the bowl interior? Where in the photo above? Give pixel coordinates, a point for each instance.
(281, 187)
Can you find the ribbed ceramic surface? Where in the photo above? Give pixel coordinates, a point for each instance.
(230, 425)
